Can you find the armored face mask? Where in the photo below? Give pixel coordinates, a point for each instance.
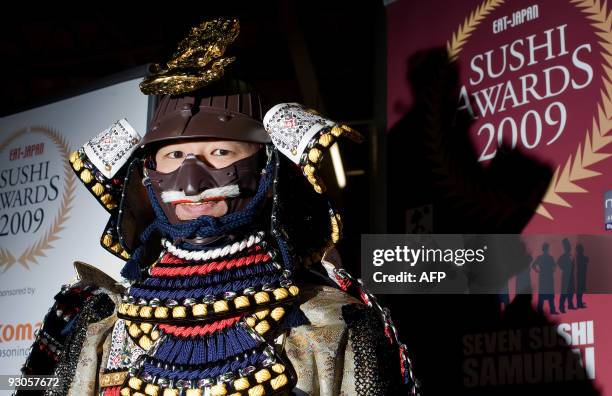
(214, 113)
(196, 189)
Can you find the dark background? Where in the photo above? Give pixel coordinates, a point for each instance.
(283, 46)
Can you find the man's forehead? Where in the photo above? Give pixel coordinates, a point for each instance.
(203, 142)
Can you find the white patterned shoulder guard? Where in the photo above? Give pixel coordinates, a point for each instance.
(302, 135)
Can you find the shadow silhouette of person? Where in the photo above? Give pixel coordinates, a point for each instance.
(523, 279)
(566, 264)
(582, 263)
(544, 265)
(432, 162)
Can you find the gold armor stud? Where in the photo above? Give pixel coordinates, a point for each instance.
(135, 383)
(145, 342)
(262, 376)
(257, 390)
(262, 297)
(97, 189)
(151, 390)
(199, 310)
(278, 382)
(220, 306)
(315, 155)
(146, 312)
(262, 313)
(281, 293)
(107, 240)
(218, 390)
(241, 384)
(277, 313)
(241, 302)
(86, 176)
(74, 156)
(262, 327)
(106, 198)
(161, 312)
(179, 312)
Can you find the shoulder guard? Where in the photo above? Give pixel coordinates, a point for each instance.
(303, 136)
(59, 340)
(102, 165)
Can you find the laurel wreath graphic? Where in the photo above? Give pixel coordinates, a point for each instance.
(455, 44)
(37, 250)
(591, 152)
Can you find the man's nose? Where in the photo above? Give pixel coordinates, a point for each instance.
(189, 174)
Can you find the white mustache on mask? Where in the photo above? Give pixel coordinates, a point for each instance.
(230, 191)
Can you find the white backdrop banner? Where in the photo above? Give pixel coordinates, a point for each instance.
(47, 217)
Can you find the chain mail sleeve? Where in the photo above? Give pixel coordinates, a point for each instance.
(343, 350)
(68, 343)
(371, 365)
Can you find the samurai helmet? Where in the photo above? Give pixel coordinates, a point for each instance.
(194, 102)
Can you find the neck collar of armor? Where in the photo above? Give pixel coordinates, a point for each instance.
(207, 319)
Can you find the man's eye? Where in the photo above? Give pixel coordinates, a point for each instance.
(175, 154)
(220, 152)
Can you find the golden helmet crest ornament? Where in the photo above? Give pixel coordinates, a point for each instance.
(198, 60)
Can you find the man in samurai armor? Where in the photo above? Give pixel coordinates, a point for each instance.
(231, 286)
